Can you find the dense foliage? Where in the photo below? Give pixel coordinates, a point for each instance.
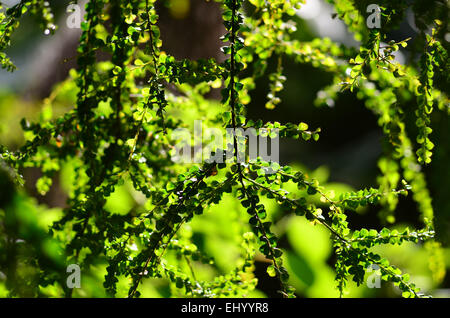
(120, 134)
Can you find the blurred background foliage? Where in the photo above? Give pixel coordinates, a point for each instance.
(345, 159)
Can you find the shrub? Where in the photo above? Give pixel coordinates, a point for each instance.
(120, 134)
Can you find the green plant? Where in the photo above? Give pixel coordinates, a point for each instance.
(119, 134)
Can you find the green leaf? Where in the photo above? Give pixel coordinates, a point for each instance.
(271, 271)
